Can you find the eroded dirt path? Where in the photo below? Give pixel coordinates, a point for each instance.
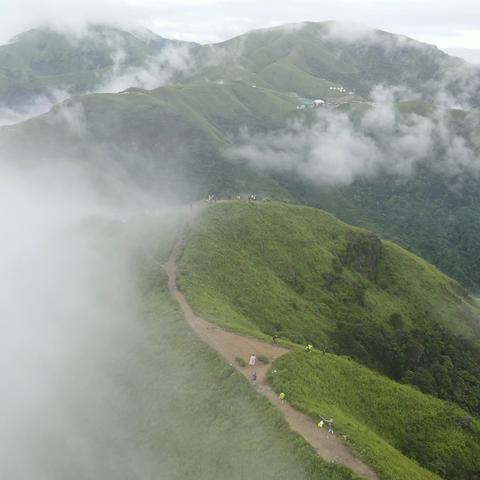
(231, 345)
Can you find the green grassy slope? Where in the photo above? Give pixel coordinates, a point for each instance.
(298, 272)
(171, 138)
(206, 422)
(425, 213)
(301, 273)
(381, 418)
(303, 249)
(196, 418)
(42, 61)
(308, 58)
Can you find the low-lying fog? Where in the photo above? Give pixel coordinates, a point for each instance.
(95, 383)
(68, 307)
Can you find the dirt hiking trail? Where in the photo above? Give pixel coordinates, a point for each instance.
(231, 345)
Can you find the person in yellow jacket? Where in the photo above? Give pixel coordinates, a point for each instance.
(282, 396)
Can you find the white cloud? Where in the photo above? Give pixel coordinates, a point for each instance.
(63, 297)
(348, 32)
(157, 71)
(37, 106)
(446, 23)
(70, 113)
(335, 150)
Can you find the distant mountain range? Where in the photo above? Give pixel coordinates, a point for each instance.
(259, 88)
(44, 62)
(307, 58)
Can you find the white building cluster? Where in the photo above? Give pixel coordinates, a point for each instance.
(339, 89)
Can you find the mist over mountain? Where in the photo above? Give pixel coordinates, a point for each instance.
(110, 143)
(45, 65)
(238, 118)
(41, 67)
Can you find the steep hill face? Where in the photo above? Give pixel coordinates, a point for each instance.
(302, 274)
(396, 427)
(329, 59)
(432, 214)
(44, 62)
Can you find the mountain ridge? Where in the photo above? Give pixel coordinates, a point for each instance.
(268, 268)
(272, 83)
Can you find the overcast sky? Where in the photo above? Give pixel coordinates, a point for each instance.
(446, 23)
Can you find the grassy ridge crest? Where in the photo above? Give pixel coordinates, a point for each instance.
(265, 268)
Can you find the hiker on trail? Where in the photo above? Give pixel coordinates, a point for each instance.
(282, 397)
(330, 425)
(320, 424)
(253, 360)
(274, 338)
(254, 377)
(308, 348)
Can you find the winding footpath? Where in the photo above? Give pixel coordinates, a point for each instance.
(231, 345)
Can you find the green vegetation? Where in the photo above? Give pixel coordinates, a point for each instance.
(275, 269)
(176, 137)
(265, 268)
(384, 421)
(198, 418)
(41, 62)
(435, 215)
(308, 58)
(170, 139)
